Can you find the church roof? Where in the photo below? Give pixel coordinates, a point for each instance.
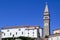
(10, 27)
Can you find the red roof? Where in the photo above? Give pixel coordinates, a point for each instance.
(56, 29)
(9, 27)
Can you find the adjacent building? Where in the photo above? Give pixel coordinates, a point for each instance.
(55, 35)
(56, 31)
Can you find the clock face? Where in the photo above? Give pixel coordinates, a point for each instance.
(46, 24)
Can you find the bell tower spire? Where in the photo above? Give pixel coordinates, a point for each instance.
(46, 21)
(46, 8)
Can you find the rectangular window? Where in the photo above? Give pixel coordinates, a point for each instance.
(10, 33)
(28, 32)
(16, 33)
(19, 29)
(4, 34)
(22, 33)
(33, 32)
(13, 35)
(7, 30)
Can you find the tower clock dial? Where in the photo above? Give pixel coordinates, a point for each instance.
(46, 24)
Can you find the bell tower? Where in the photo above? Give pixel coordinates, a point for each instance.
(46, 21)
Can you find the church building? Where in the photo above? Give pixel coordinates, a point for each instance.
(32, 31)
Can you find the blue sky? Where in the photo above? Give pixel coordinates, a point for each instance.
(28, 12)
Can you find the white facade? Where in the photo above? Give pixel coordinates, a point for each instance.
(21, 31)
(54, 38)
